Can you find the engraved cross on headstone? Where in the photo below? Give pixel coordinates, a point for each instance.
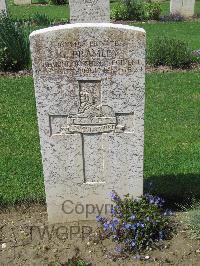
(89, 11)
(92, 122)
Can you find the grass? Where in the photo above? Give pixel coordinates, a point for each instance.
(171, 137)
(54, 12)
(186, 31)
(172, 130)
(20, 164)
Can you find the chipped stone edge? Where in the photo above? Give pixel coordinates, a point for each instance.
(87, 25)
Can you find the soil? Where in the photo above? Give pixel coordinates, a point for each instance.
(23, 242)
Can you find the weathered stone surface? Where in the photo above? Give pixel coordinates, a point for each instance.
(22, 2)
(87, 11)
(89, 86)
(182, 7)
(2, 6)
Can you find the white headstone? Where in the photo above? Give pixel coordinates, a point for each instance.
(89, 11)
(182, 7)
(22, 2)
(89, 86)
(2, 6)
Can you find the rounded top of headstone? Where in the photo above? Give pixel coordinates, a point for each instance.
(87, 25)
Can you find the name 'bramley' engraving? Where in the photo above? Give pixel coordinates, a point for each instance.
(94, 59)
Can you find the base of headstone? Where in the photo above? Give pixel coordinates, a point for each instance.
(22, 2)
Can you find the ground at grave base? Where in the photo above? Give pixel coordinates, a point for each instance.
(23, 242)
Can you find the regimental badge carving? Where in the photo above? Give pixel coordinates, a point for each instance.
(89, 94)
(93, 117)
(100, 119)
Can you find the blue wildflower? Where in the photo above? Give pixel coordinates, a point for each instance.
(132, 243)
(100, 219)
(134, 226)
(114, 196)
(106, 226)
(127, 225)
(168, 213)
(113, 211)
(159, 201)
(115, 221)
(140, 225)
(161, 235)
(133, 217)
(116, 210)
(118, 249)
(112, 226)
(155, 200)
